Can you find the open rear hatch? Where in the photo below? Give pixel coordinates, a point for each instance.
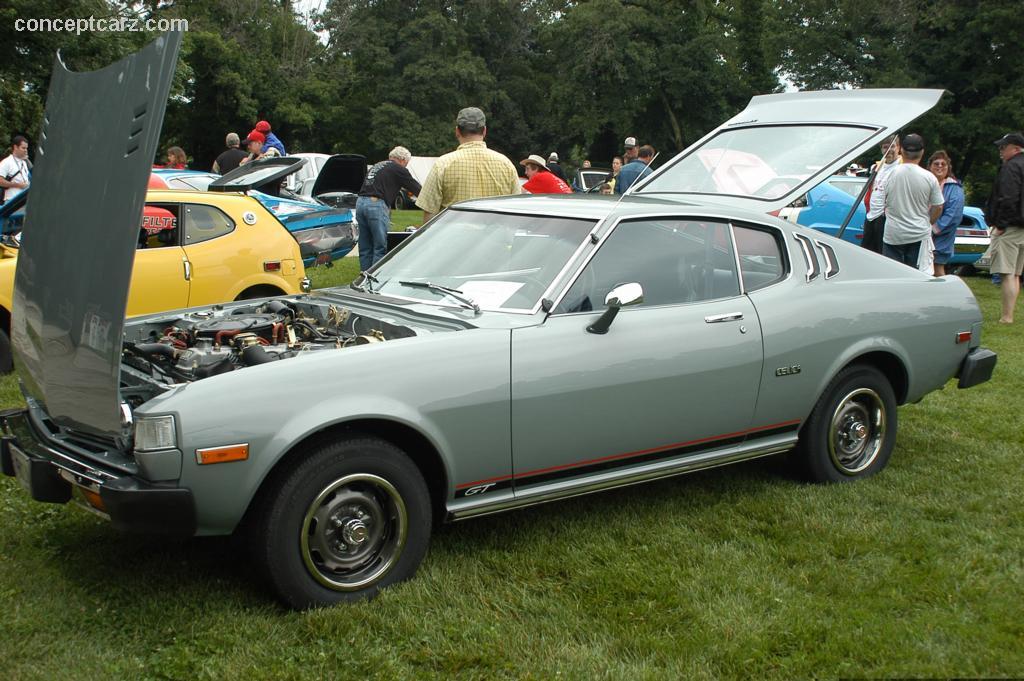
(782, 145)
(75, 265)
(265, 175)
(340, 180)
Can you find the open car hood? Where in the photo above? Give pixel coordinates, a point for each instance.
(341, 173)
(81, 230)
(782, 145)
(264, 175)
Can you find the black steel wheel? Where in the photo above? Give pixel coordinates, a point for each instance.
(349, 519)
(852, 429)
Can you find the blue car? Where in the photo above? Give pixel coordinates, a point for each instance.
(825, 207)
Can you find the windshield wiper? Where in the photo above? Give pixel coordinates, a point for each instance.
(368, 278)
(452, 292)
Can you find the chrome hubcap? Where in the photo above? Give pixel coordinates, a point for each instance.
(354, 532)
(857, 431)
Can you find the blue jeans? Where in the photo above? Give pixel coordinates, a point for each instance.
(904, 253)
(374, 218)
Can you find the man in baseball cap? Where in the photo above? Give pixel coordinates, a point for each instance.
(913, 202)
(256, 143)
(469, 172)
(1005, 215)
(263, 127)
(1014, 138)
(632, 149)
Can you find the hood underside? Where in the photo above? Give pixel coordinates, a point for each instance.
(74, 267)
(341, 173)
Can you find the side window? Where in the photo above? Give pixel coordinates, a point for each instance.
(761, 257)
(159, 228)
(203, 223)
(675, 261)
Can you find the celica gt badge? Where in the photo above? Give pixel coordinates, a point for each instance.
(788, 371)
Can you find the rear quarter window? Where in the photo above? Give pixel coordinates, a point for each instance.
(762, 258)
(203, 223)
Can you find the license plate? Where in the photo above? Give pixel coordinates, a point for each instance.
(22, 467)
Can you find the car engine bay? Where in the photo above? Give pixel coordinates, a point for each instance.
(197, 345)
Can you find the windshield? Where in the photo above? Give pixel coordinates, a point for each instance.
(762, 163)
(199, 182)
(499, 262)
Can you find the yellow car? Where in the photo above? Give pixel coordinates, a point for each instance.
(195, 248)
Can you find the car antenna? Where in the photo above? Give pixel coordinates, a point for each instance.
(864, 190)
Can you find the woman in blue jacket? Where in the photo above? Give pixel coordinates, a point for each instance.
(944, 229)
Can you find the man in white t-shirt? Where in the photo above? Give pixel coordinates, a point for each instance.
(14, 170)
(913, 202)
(874, 223)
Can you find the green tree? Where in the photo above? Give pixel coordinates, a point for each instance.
(969, 49)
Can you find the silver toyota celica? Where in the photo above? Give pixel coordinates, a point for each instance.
(514, 351)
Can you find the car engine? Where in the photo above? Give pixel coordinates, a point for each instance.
(206, 343)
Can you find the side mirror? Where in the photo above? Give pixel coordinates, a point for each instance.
(621, 296)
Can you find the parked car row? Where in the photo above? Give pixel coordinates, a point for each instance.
(192, 248)
(514, 351)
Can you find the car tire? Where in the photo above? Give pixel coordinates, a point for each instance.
(852, 430)
(348, 519)
(964, 270)
(6, 357)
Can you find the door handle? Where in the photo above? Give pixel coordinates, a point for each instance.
(727, 317)
(188, 269)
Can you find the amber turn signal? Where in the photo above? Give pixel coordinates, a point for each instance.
(222, 454)
(94, 499)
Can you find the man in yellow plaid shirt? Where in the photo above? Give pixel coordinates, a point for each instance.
(469, 172)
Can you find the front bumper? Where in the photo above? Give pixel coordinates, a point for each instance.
(976, 368)
(51, 472)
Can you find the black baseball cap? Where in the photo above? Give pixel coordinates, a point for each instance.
(1010, 138)
(912, 143)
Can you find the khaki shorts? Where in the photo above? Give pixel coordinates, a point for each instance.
(1008, 251)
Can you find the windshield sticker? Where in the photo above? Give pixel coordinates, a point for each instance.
(490, 293)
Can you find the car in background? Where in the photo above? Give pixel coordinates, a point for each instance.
(322, 219)
(194, 248)
(825, 207)
(514, 351)
(309, 171)
(590, 179)
(173, 178)
(337, 181)
(323, 223)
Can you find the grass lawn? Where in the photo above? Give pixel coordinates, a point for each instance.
(737, 572)
(346, 269)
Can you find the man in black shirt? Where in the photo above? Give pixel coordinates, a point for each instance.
(555, 167)
(373, 207)
(1005, 215)
(231, 157)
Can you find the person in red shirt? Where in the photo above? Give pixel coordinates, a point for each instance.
(540, 180)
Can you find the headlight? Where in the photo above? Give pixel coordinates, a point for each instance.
(155, 432)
